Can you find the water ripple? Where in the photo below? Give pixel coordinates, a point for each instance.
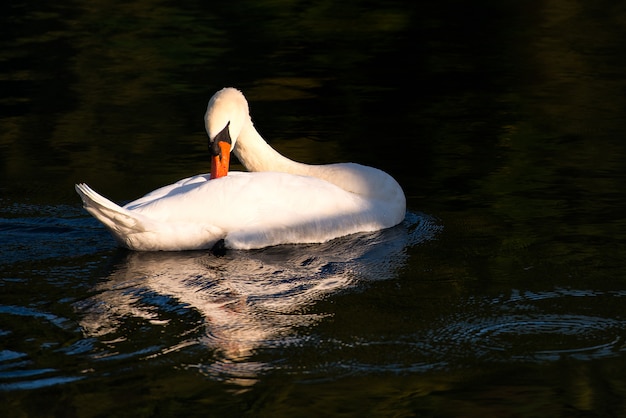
(534, 326)
(47, 232)
(38, 383)
(160, 307)
(20, 367)
(34, 313)
(241, 302)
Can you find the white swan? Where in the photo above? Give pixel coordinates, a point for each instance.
(279, 202)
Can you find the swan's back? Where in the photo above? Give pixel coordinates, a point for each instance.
(268, 208)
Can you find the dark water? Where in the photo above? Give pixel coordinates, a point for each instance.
(502, 294)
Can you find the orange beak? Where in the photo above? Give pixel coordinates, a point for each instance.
(219, 163)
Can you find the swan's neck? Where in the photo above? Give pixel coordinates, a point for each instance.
(256, 155)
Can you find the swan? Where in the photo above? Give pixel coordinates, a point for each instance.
(278, 201)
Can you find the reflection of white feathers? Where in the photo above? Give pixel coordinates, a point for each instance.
(247, 299)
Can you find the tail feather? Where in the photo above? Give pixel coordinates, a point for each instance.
(140, 232)
(117, 219)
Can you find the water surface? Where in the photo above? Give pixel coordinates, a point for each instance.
(502, 293)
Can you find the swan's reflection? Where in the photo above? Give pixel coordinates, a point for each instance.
(247, 299)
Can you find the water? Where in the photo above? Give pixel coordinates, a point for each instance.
(502, 293)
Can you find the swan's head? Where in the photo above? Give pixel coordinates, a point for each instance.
(225, 117)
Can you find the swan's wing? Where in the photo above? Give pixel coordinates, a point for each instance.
(268, 208)
(174, 188)
(247, 210)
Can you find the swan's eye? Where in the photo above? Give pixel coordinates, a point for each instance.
(222, 136)
(214, 149)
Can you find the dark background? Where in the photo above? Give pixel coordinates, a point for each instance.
(503, 121)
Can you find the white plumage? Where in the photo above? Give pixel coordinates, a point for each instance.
(279, 201)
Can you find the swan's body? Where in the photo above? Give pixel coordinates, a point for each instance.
(279, 202)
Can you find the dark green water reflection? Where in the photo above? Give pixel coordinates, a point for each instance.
(502, 294)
